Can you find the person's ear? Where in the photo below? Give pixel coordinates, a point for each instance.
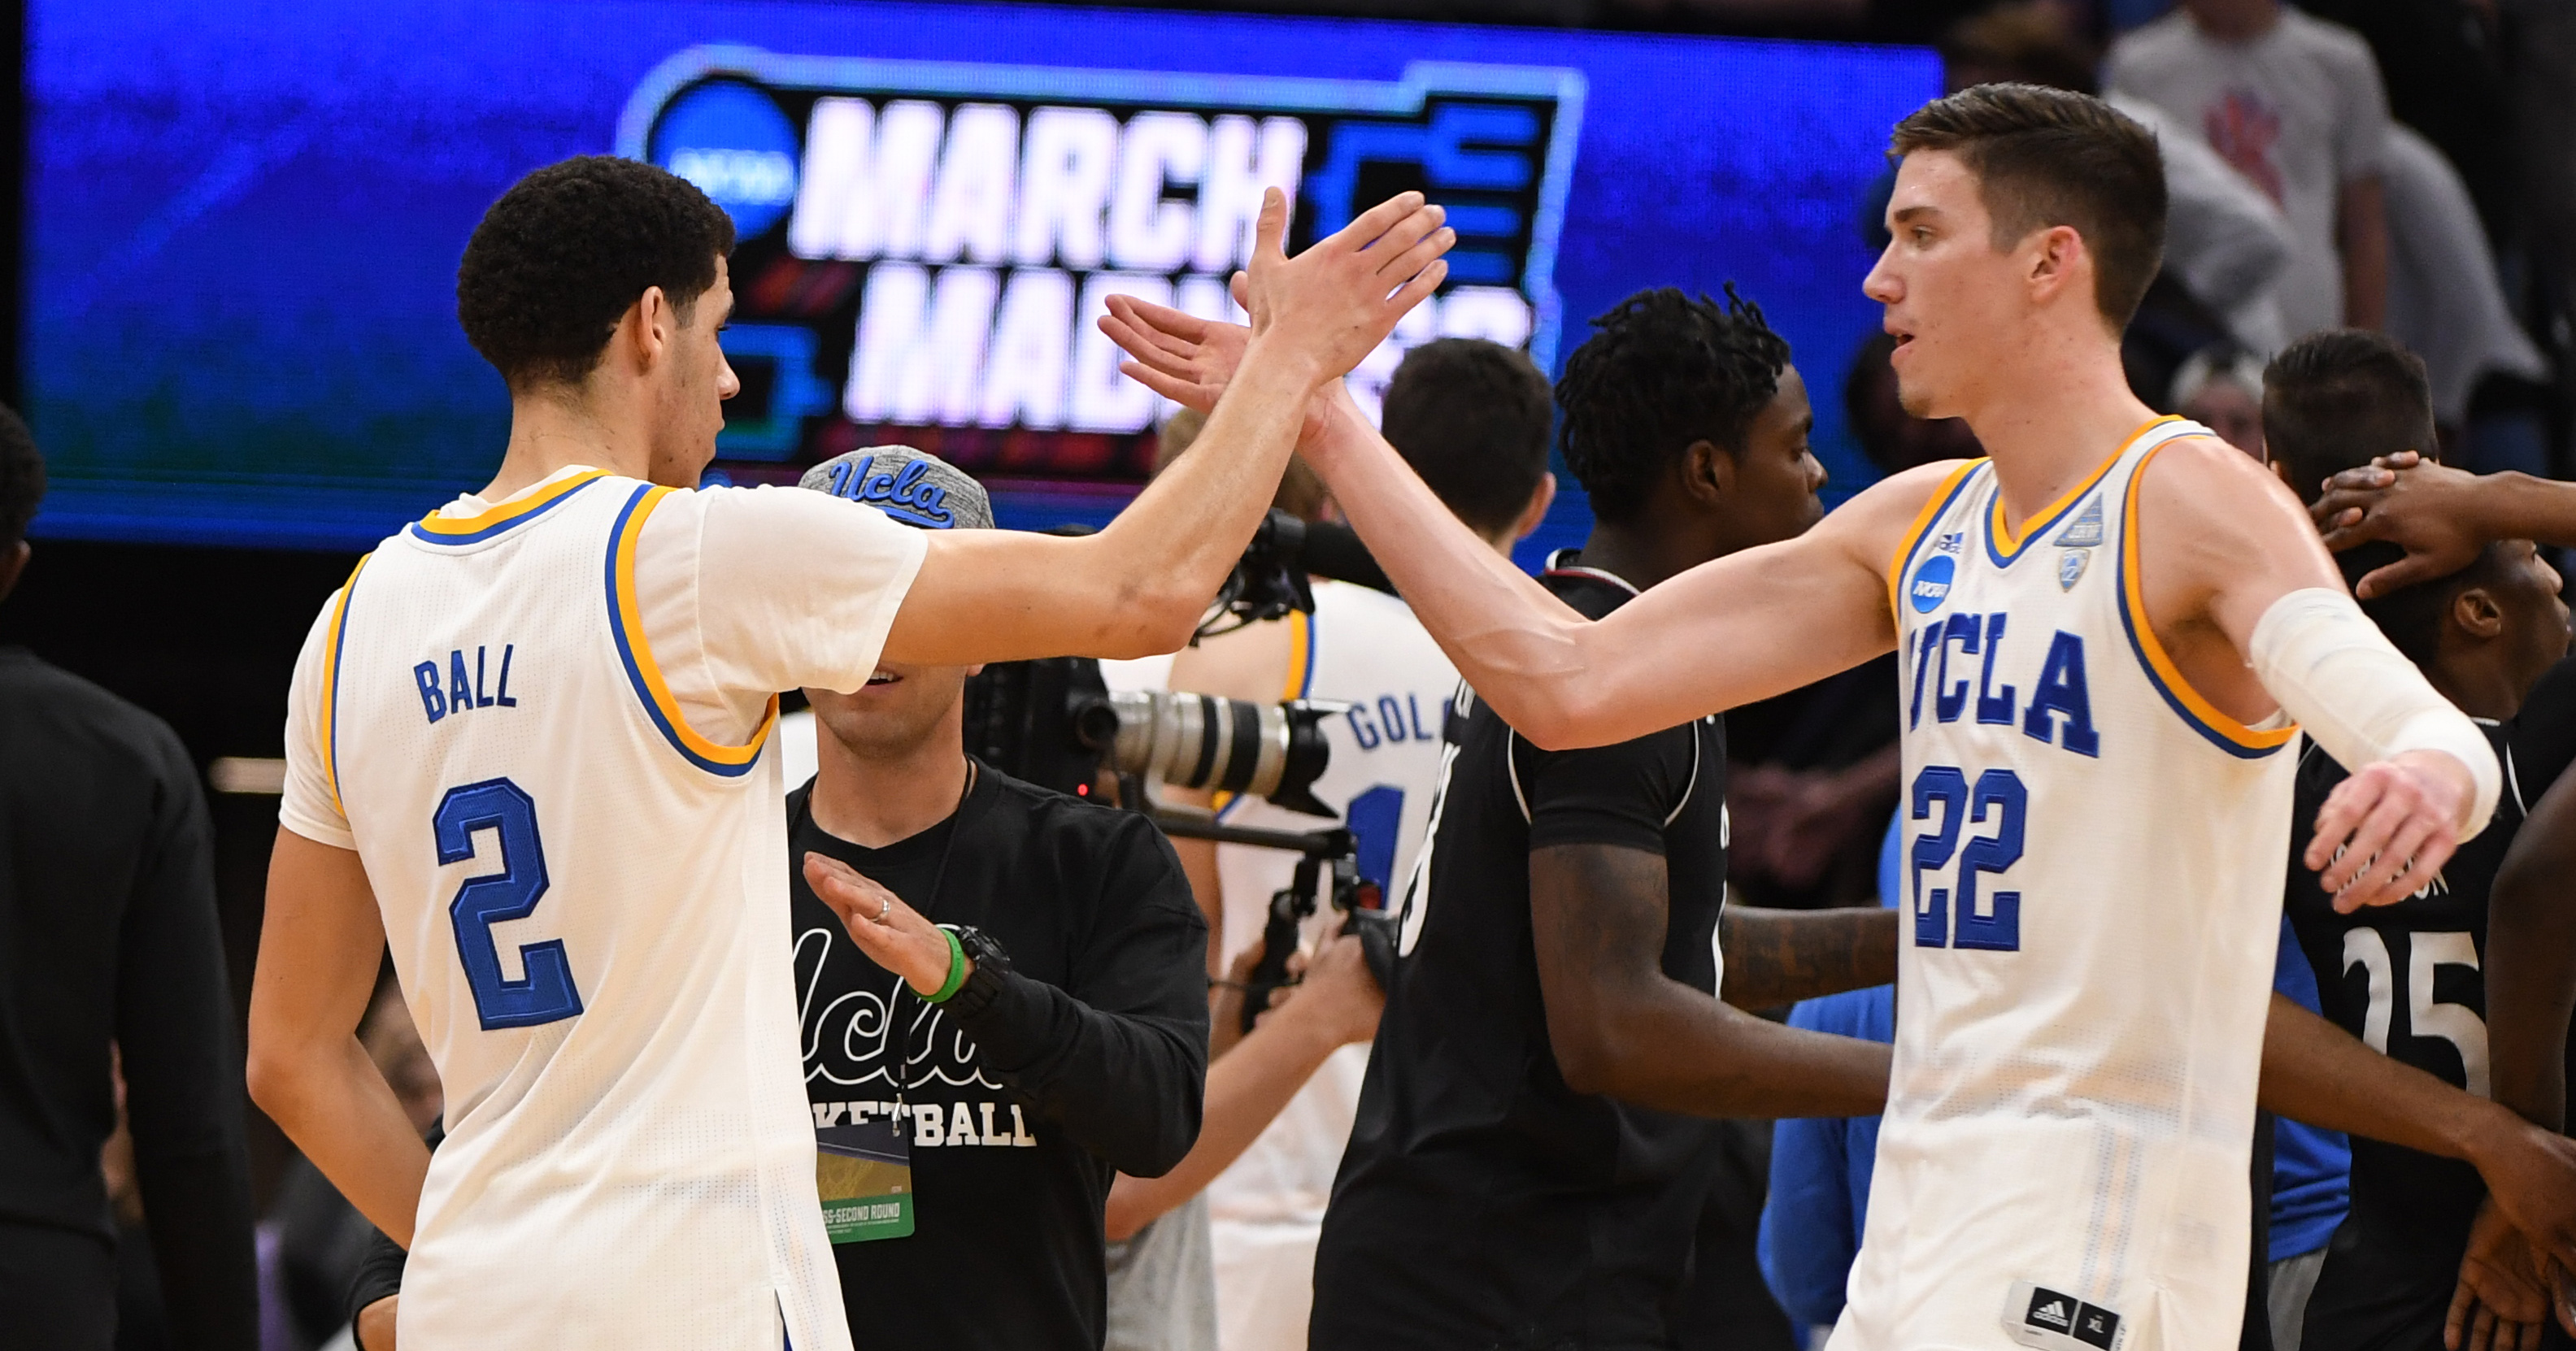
(1532, 515)
(2475, 612)
(1708, 472)
(13, 564)
(2056, 259)
(974, 670)
(650, 327)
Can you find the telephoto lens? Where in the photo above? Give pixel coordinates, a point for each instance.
(1203, 741)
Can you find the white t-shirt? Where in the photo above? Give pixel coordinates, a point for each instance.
(2300, 111)
(2444, 301)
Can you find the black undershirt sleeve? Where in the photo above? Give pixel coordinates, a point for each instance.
(183, 1073)
(1618, 795)
(1119, 1060)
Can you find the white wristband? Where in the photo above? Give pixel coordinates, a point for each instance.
(2359, 698)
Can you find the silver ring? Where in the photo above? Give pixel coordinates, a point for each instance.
(885, 906)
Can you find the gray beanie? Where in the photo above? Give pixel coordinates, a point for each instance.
(907, 485)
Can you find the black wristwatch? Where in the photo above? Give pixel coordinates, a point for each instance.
(992, 963)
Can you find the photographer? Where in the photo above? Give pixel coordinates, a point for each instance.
(1003, 1000)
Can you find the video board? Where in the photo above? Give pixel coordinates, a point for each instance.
(243, 226)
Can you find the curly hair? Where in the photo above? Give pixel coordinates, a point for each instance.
(22, 478)
(1661, 371)
(567, 249)
(1472, 417)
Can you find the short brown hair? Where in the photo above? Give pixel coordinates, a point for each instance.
(2046, 157)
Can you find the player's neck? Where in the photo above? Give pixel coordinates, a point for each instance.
(553, 430)
(1641, 558)
(2479, 689)
(878, 798)
(2063, 412)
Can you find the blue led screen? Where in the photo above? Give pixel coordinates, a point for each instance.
(244, 220)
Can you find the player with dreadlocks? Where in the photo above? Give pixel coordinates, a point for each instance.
(1537, 1107)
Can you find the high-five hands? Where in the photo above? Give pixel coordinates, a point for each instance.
(1326, 308)
(892, 934)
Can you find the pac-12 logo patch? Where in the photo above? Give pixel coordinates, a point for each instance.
(1931, 584)
(2070, 567)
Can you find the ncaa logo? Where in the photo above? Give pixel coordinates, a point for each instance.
(733, 142)
(1931, 583)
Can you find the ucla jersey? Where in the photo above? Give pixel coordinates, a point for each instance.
(2091, 860)
(585, 899)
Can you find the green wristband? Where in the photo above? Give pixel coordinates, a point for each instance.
(956, 967)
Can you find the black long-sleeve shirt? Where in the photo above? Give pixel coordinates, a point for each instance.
(108, 933)
(1089, 1060)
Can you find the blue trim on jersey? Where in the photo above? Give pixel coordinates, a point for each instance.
(1306, 679)
(1932, 530)
(421, 533)
(626, 652)
(2129, 626)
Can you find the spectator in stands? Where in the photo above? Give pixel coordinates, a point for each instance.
(2295, 104)
(107, 901)
(2221, 388)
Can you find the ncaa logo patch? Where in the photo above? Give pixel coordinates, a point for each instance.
(1931, 584)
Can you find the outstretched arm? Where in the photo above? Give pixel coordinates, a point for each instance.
(1622, 1028)
(1139, 587)
(2242, 595)
(1754, 624)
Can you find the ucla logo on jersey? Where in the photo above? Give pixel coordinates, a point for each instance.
(1932, 583)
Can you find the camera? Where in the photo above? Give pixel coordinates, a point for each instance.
(1055, 723)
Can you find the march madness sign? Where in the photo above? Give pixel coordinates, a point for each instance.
(924, 245)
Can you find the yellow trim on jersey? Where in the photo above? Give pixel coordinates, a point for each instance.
(2009, 542)
(331, 685)
(1932, 508)
(503, 514)
(2160, 666)
(630, 618)
(1301, 655)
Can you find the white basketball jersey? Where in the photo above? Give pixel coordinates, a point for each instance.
(1364, 648)
(2092, 859)
(587, 907)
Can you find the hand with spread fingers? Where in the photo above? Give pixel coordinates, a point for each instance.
(892, 934)
(2499, 1305)
(2432, 511)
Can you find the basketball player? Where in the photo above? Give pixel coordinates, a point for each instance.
(2094, 783)
(1473, 418)
(526, 743)
(2409, 978)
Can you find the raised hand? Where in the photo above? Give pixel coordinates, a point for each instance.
(1182, 357)
(2433, 512)
(1334, 303)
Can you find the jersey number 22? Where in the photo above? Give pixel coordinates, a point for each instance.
(1993, 922)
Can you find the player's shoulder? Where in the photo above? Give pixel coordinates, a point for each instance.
(2215, 477)
(1881, 519)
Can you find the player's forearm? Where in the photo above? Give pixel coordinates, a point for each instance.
(1776, 957)
(2318, 1073)
(1680, 1051)
(336, 1106)
(1519, 647)
(1172, 547)
(1247, 1089)
(2514, 505)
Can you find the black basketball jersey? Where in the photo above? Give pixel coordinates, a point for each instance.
(2409, 979)
(1557, 1218)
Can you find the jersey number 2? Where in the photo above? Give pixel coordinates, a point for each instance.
(1994, 926)
(544, 992)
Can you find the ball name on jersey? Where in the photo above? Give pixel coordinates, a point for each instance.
(1396, 718)
(2060, 707)
(452, 690)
